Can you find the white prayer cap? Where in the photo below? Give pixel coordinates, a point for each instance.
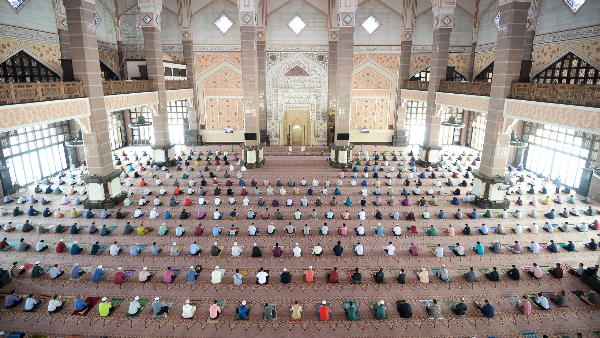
(104, 299)
(234, 243)
(423, 268)
(62, 239)
(187, 301)
(156, 298)
(99, 266)
(215, 243)
(145, 268)
(120, 268)
(443, 265)
(174, 243)
(462, 299)
(243, 302)
(296, 244)
(310, 267)
(254, 244)
(164, 223)
(137, 298)
(76, 242)
(76, 264)
(136, 244)
(381, 302)
(284, 269)
(323, 302)
(217, 267)
(38, 262)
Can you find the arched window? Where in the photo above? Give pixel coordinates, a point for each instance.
(21, 67)
(424, 76)
(486, 74)
(570, 69)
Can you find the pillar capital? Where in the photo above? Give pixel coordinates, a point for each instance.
(150, 13)
(248, 10)
(346, 10)
(407, 36)
(443, 13)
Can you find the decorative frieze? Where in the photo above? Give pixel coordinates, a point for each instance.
(217, 48)
(299, 48)
(27, 34)
(377, 49)
(490, 47)
(578, 34)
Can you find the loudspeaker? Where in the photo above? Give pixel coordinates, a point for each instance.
(250, 136)
(343, 136)
(525, 70)
(450, 73)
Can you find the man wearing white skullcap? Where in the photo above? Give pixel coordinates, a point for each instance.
(134, 306)
(104, 307)
(158, 308)
(256, 251)
(242, 311)
(286, 277)
(98, 273)
(379, 310)
(324, 311)
(215, 250)
(297, 251)
(175, 251)
(188, 310)
(216, 276)
(443, 273)
(236, 250)
(192, 275)
(119, 276)
(144, 275)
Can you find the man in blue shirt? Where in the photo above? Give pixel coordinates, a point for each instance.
(192, 275)
(487, 310)
(310, 191)
(167, 214)
(98, 273)
(12, 300)
(89, 214)
(551, 214)
(251, 214)
(338, 250)
(80, 304)
(484, 229)
(479, 248)
(47, 213)
(242, 311)
(379, 230)
(76, 271)
(31, 304)
(474, 214)
(216, 231)
(233, 214)
(75, 249)
(32, 211)
(442, 214)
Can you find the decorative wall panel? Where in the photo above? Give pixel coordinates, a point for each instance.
(223, 102)
(419, 61)
(482, 60)
(127, 101)
(370, 107)
(46, 53)
(297, 91)
(28, 114)
(205, 61)
(386, 61)
(461, 62)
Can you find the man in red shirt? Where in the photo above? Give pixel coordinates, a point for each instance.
(413, 228)
(324, 311)
(333, 275)
(266, 213)
(414, 250)
(177, 191)
(188, 201)
(277, 252)
(198, 230)
(309, 275)
(119, 276)
(60, 247)
(557, 272)
(410, 216)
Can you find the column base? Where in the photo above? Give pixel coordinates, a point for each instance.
(104, 192)
(429, 156)
(192, 138)
(161, 155)
(488, 194)
(400, 139)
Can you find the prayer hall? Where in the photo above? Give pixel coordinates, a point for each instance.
(352, 168)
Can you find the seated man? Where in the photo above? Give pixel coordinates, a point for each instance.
(551, 214)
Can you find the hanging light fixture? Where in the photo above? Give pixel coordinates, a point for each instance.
(516, 142)
(75, 141)
(453, 123)
(140, 122)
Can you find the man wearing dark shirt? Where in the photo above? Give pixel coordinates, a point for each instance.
(552, 247)
(461, 308)
(256, 251)
(286, 277)
(487, 310)
(277, 252)
(493, 275)
(338, 250)
(514, 273)
(557, 272)
(404, 309)
(356, 277)
(215, 250)
(27, 226)
(95, 249)
(401, 277)
(379, 276)
(467, 230)
(37, 270)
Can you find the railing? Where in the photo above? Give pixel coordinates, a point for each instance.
(126, 87)
(177, 84)
(467, 88)
(573, 94)
(23, 92)
(416, 85)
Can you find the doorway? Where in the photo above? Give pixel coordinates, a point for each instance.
(297, 136)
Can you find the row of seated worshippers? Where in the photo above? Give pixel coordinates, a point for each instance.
(358, 249)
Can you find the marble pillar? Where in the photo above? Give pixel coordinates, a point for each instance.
(261, 54)
(400, 137)
(189, 59)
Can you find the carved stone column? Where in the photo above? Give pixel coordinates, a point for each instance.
(150, 21)
(507, 66)
(261, 54)
(189, 59)
(345, 55)
(443, 21)
(400, 137)
(104, 189)
(248, 32)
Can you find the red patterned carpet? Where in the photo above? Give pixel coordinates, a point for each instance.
(578, 317)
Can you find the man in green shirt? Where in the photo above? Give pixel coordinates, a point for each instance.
(162, 230)
(432, 231)
(379, 310)
(350, 311)
(104, 307)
